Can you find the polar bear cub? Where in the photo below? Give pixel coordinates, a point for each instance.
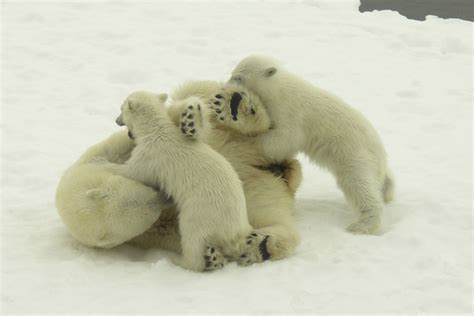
(213, 218)
(336, 136)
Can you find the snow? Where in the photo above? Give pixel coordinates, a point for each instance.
(66, 67)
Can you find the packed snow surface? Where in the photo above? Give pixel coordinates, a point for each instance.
(67, 66)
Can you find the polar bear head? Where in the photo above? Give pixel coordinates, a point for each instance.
(256, 73)
(139, 108)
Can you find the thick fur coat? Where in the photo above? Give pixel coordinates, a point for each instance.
(204, 186)
(334, 135)
(269, 185)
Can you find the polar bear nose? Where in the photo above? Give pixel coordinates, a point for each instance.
(119, 121)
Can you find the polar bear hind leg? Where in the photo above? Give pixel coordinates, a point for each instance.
(273, 242)
(364, 192)
(197, 255)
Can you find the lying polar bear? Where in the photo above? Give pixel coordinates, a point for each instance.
(204, 186)
(336, 136)
(269, 185)
(101, 208)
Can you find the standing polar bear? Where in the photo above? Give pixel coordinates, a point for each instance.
(204, 186)
(336, 136)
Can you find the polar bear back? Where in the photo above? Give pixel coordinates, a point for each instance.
(196, 176)
(299, 108)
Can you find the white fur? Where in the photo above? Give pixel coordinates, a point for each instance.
(308, 119)
(101, 208)
(270, 199)
(204, 186)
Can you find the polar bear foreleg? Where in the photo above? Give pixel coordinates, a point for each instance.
(280, 144)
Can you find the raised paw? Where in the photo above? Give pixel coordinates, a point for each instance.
(255, 250)
(218, 105)
(213, 259)
(239, 110)
(229, 103)
(191, 119)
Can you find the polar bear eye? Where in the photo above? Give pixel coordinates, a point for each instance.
(236, 78)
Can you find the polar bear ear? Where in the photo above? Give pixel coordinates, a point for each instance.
(270, 71)
(132, 106)
(163, 97)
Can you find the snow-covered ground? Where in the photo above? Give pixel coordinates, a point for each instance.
(66, 67)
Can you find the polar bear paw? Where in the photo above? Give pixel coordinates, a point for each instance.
(229, 103)
(255, 250)
(213, 259)
(365, 226)
(191, 119)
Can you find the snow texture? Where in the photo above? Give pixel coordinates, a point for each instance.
(67, 67)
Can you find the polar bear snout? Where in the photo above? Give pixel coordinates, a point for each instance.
(119, 121)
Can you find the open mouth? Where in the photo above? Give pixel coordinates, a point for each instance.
(234, 105)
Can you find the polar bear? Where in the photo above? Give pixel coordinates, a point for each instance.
(269, 184)
(336, 136)
(206, 189)
(101, 208)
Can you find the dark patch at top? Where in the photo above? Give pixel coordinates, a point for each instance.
(234, 105)
(263, 249)
(419, 9)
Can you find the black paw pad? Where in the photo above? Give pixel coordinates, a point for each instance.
(219, 96)
(263, 249)
(234, 105)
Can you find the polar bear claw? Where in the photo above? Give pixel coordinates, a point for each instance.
(191, 120)
(213, 259)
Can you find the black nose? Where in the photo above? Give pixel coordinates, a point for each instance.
(119, 121)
